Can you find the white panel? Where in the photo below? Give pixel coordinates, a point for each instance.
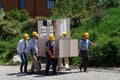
(73, 47)
(56, 47)
(42, 47)
(64, 46)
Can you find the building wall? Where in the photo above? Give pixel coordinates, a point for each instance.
(34, 7)
(41, 8)
(29, 5)
(10, 4)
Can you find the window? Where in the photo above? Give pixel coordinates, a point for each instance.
(22, 4)
(50, 4)
(1, 5)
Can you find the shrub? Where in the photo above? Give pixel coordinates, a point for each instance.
(110, 3)
(29, 26)
(19, 15)
(96, 57)
(4, 48)
(9, 30)
(2, 14)
(111, 51)
(75, 61)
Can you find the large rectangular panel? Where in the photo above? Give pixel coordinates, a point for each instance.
(73, 47)
(64, 48)
(42, 47)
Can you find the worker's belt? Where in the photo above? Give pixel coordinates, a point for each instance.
(84, 51)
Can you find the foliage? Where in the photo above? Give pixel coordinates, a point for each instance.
(4, 49)
(81, 11)
(2, 14)
(110, 3)
(29, 26)
(105, 35)
(111, 50)
(9, 30)
(76, 10)
(40, 18)
(19, 15)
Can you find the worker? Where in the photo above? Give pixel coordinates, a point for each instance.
(33, 47)
(66, 59)
(83, 51)
(50, 55)
(22, 50)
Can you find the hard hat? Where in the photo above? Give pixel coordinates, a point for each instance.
(86, 35)
(26, 36)
(51, 37)
(37, 35)
(34, 33)
(64, 33)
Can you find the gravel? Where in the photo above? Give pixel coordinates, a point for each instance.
(12, 73)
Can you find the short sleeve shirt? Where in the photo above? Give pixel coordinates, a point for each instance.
(50, 45)
(84, 44)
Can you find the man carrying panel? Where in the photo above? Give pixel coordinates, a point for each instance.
(66, 59)
(33, 47)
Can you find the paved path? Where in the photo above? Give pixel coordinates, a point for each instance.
(12, 73)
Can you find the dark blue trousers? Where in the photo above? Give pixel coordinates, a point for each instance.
(85, 59)
(50, 62)
(24, 62)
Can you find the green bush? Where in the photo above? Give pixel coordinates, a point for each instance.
(75, 61)
(111, 51)
(8, 49)
(9, 30)
(4, 48)
(19, 15)
(96, 57)
(29, 26)
(2, 14)
(110, 3)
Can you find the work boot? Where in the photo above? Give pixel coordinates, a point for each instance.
(85, 69)
(55, 73)
(21, 71)
(25, 71)
(80, 68)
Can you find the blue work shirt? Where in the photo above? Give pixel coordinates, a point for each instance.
(84, 44)
(33, 45)
(51, 46)
(22, 48)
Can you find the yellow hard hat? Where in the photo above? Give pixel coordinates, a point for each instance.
(86, 35)
(34, 33)
(26, 36)
(64, 33)
(37, 35)
(51, 37)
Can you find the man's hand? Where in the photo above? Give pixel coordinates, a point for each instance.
(37, 54)
(79, 52)
(52, 56)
